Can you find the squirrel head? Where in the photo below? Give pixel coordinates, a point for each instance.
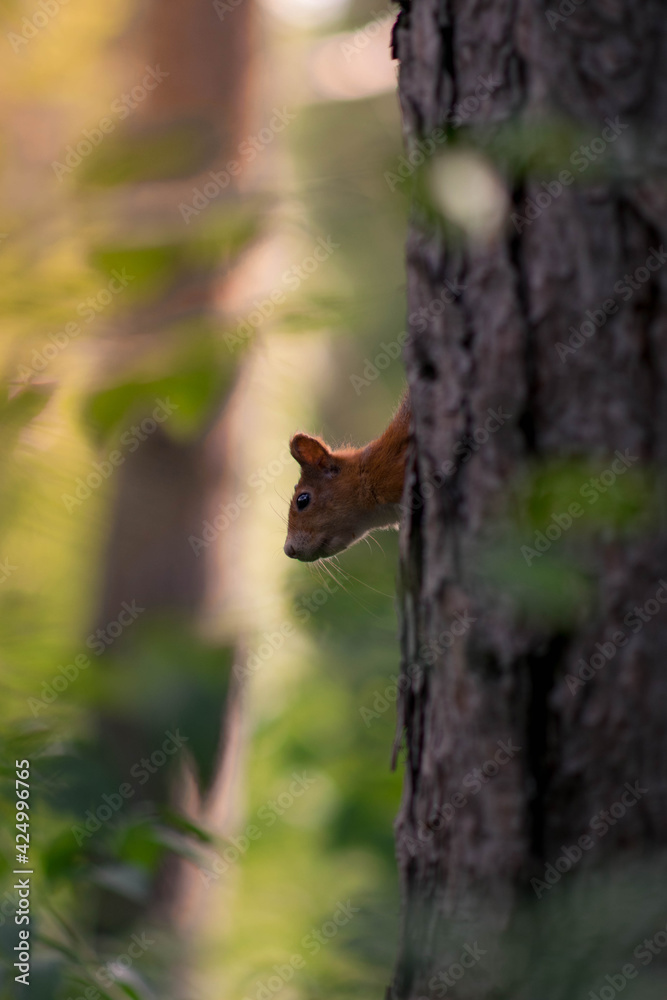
(324, 513)
(344, 494)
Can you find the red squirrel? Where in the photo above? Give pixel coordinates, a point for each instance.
(344, 494)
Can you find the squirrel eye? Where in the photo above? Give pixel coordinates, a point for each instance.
(302, 501)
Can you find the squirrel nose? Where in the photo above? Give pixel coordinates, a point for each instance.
(290, 550)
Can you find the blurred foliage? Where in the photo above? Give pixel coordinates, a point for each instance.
(557, 517)
(192, 372)
(167, 151)
(83, 365)
(93, 720)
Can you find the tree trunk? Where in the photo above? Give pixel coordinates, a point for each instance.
(168, 489)
(513, 744)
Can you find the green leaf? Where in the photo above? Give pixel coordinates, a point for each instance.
(130, 990)
(157, 153)
(182, 385)
(170, 679)
(62, 856)
(18, 411)
(149, 268)
(139, 846)
(552, 589)
(61, 948)
(153, 259)
(127, 881)
(186, 825)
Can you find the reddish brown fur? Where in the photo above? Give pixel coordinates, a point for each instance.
(352, 490)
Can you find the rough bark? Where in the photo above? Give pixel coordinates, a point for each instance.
(469, 876)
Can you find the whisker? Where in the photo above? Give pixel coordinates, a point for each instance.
(281, 516)
(354, 597)
(330, 571)
(376, 540)
(349, 576)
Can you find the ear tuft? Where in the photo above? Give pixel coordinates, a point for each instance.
(310, 451)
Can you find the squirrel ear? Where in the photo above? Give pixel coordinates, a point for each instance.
(310, 451)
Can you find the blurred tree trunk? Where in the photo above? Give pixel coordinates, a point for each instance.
(466, 868)
(168, 488)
